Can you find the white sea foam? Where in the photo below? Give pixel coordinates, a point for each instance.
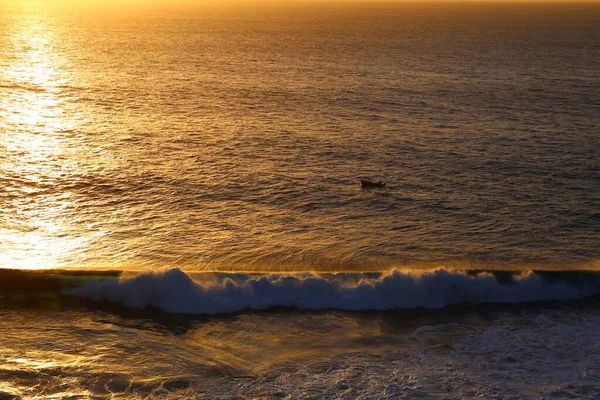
(176, 292)
(549, 354)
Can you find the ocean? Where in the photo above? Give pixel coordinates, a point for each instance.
(181, 210)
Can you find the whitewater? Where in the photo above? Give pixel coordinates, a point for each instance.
(175, 292)
(401, 334)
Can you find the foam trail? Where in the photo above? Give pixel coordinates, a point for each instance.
(175, 292)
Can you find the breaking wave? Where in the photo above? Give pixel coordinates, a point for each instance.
(174, 291)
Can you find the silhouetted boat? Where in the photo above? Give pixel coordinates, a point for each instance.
(370, 185)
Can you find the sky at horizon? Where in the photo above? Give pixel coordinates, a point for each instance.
(311, 6)
(193, 3)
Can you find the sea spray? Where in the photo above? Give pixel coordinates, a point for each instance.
(176, 292)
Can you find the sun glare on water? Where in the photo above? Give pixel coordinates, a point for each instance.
(34, 229)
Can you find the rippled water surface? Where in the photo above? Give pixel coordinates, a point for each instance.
(464, 353)
(235, 139)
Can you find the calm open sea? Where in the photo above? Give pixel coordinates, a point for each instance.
(214, 154)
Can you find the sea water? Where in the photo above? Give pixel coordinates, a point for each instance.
(194, 172)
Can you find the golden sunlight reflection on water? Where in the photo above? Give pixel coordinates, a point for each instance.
(33, 122)
(214, 142)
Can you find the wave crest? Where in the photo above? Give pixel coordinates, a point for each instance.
(176, 292)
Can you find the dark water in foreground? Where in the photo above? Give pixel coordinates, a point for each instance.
(68, 335)
(236, 140)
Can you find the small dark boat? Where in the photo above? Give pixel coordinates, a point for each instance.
(371, 185)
